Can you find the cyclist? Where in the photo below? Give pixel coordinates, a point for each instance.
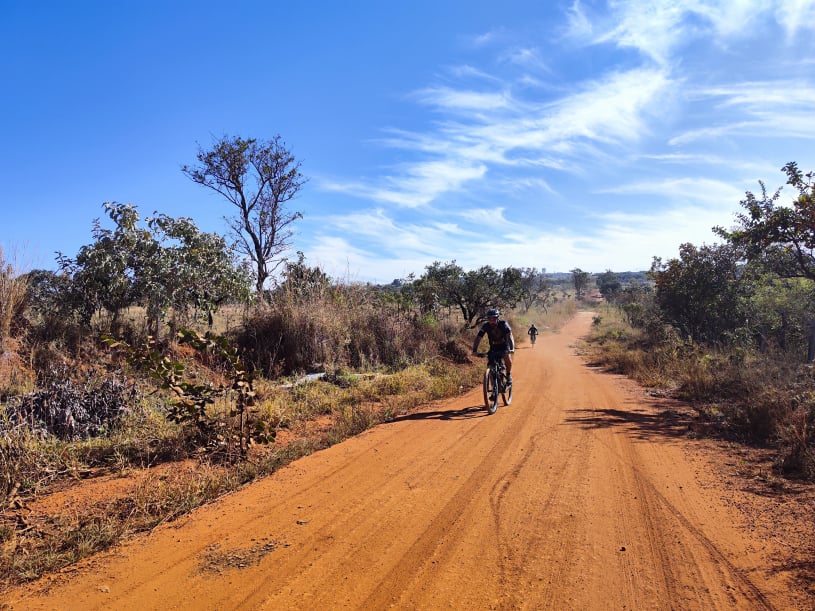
(502, 343)
(533, 332)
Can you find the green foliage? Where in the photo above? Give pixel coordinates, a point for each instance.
(192, 400)
(609, 285)
(168, 264)
(302, 282)
(702, 292)
(259, 179)
(472, 292)
(580, 279)
(536, 289)
(781, 237)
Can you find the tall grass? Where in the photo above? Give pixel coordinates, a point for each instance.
(345, 326)
(13, 289)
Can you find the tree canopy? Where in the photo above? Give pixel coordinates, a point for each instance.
(259, 178)
(472, 292)
(168, 263)
(781, 237)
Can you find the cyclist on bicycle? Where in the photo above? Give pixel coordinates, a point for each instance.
(502, 343)
(533, 332)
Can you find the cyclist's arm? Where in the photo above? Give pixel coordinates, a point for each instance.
(478, 340)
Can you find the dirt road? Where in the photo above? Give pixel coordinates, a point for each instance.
(577, 496)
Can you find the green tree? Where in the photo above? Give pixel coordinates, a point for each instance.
(103, 272)
(702, 292)
(535, 289)
(301, 281)
(580, 279)
(781, 237)
(168, 263)
(472, 292)
(258, 178)
(609, 285)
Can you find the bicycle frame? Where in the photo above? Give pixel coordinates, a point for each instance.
(495, 383)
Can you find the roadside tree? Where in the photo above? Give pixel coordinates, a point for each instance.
(580, 279)
(472, 292)
(609, 285)
(780, 238)
(702, 292)
(535, 289)
(259, 178)
(169, 263)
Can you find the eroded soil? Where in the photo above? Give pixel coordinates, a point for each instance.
(585, 493)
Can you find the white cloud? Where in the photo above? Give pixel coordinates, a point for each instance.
(579, 25)
(706, 192)
(658, 28)
(796, 15)
(447, 98)
(646, 117)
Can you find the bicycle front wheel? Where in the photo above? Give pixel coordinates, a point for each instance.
(490, 391)
(506, 394)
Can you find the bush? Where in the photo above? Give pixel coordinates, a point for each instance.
(71, 410)
(343, 326)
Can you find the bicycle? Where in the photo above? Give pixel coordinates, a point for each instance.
(533, 337)
(495, 383)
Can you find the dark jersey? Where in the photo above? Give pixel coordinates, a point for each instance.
(498, 334)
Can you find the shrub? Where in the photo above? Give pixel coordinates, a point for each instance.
(342, 326)
(71, 410)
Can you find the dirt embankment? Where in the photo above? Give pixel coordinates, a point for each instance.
(583, 494)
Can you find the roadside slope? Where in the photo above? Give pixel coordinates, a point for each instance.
(578, 495)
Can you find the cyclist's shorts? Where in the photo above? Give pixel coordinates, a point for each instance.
(498, 352)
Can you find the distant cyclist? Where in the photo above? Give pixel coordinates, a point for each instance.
(501, 341)
(533, 333)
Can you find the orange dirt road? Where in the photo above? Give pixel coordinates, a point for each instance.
(577, 496)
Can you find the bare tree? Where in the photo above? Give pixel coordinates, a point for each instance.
(259, 179)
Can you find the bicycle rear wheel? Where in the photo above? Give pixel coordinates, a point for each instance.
(490, 391)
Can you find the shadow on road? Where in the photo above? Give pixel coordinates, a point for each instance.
(645, 425)
(475, 411)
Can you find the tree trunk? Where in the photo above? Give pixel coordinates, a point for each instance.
(811, 347)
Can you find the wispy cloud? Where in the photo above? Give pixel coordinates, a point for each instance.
(451, 99)
(519, 133)
(659, 28)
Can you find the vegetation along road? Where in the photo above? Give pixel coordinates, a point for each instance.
(583, 494)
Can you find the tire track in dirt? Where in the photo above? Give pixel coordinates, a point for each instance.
(397, 581)
(696, 585)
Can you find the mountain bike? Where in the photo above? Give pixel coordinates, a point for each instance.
(533, 337)
(495, 383)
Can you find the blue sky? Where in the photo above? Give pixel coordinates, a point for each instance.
(549, 134)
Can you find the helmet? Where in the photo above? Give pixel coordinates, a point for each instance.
(493, 313)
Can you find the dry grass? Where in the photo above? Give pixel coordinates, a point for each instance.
(13, 290)
(346, 404)
(15, 375)
(550, 320)
(756, 398)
